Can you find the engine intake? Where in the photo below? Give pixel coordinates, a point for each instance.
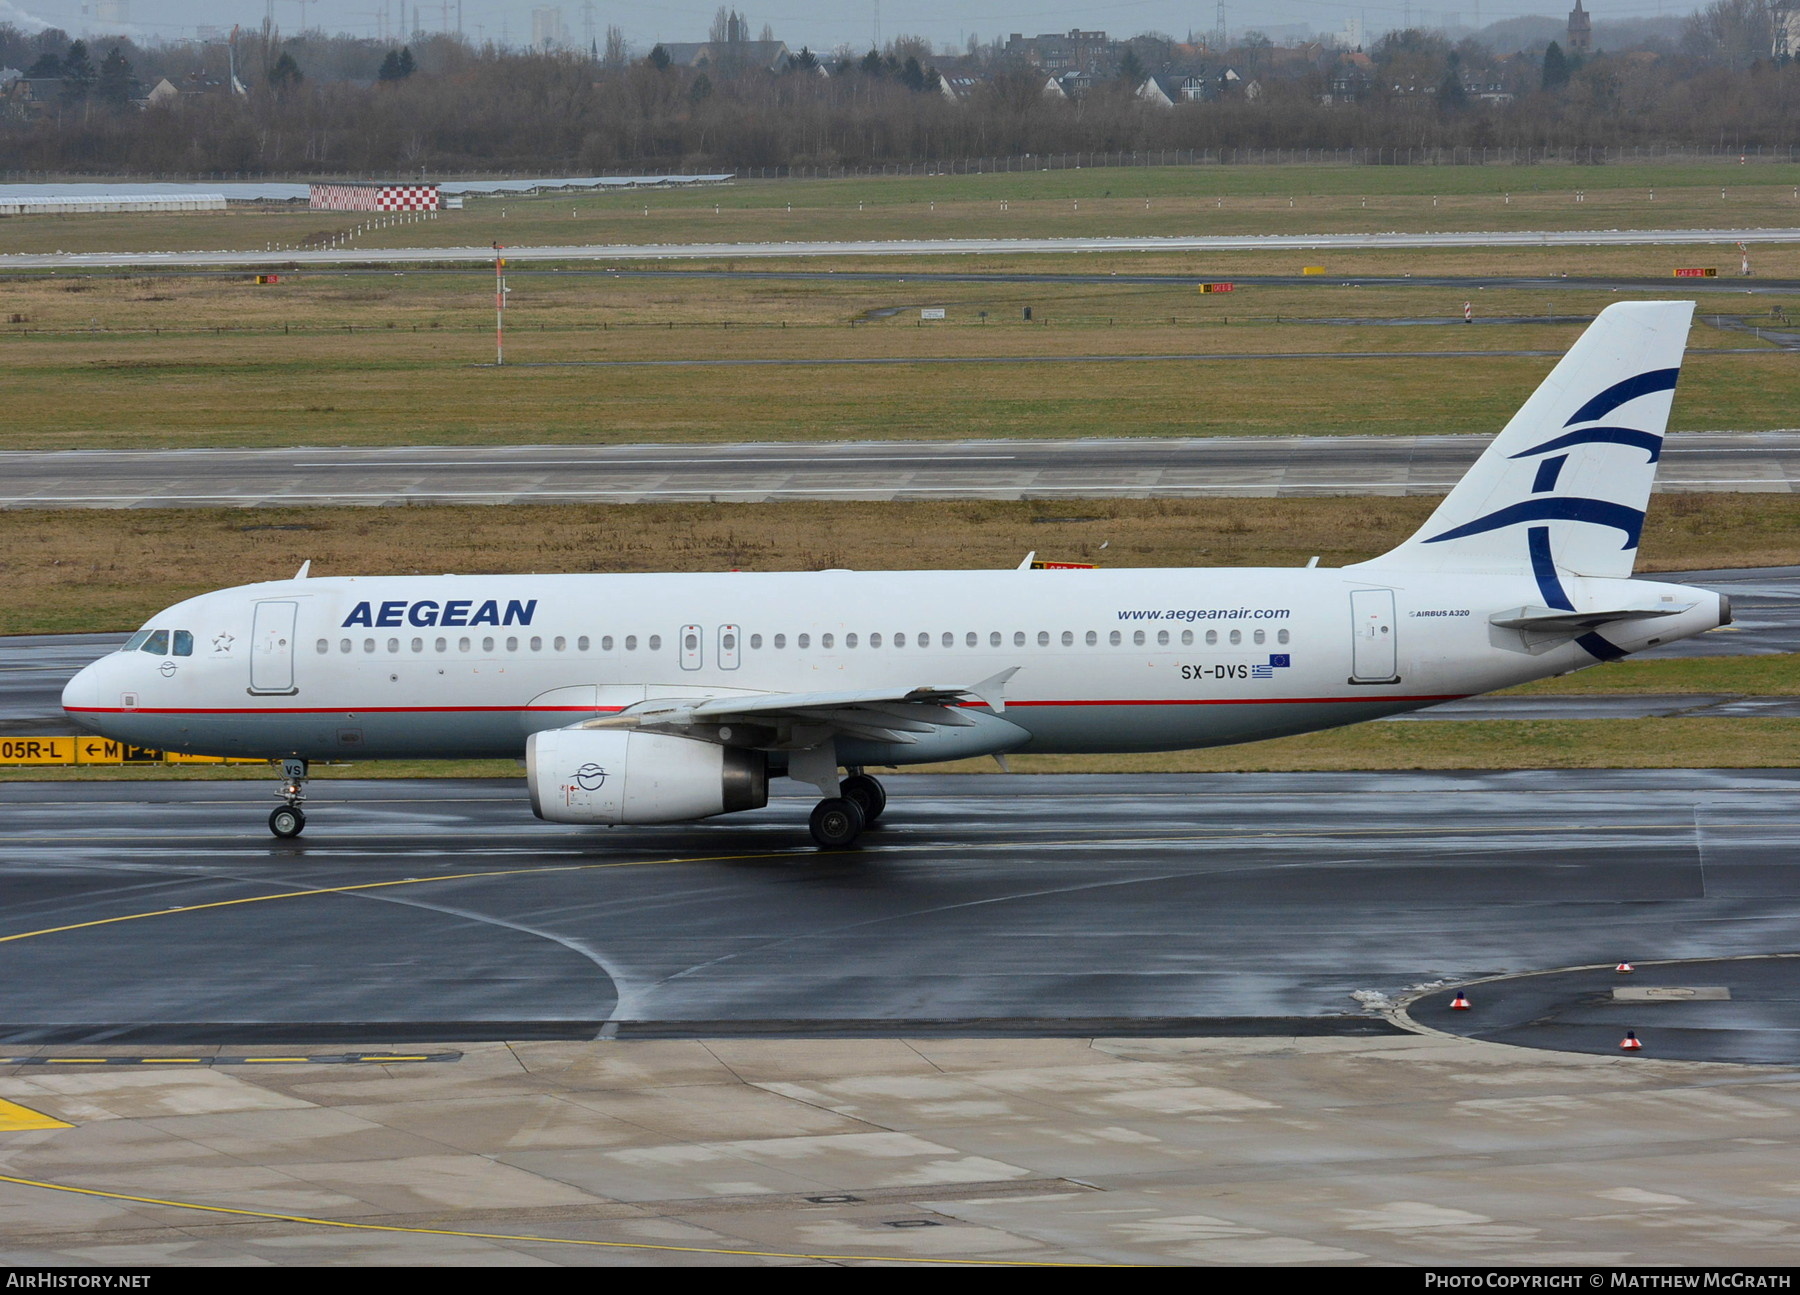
(623, 776)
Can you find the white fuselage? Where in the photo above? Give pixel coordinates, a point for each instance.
(1116, 660)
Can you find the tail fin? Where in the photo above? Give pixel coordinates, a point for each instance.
(1565, 486)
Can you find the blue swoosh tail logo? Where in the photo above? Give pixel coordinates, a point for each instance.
(1620, 392)
(1598, 511)
(1649, 442)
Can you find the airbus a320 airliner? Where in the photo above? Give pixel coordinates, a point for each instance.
(665, 698)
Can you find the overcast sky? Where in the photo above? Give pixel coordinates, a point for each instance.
(823, 26)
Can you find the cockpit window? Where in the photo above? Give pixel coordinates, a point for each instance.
(184, 643)
(157, 643)
(136, 641)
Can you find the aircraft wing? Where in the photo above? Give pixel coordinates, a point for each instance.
(804, 718)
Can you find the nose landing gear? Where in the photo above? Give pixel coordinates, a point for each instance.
(289, 821)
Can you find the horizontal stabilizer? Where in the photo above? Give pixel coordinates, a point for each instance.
(1550, 620)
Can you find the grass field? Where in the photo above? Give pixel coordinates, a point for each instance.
(398, 358)
(1112, 201)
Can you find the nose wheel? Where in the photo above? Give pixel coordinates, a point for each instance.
(289, 821)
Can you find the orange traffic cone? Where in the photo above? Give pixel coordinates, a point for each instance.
(1624, 967)
(1460, 1003)
(1630, 1042)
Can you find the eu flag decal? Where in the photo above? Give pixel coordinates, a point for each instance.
(1277, 661)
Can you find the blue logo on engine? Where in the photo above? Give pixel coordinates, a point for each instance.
(590, 777)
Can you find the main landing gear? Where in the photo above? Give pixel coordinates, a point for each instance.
(289, 821)
(838, 820)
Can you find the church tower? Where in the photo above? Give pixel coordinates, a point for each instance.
(1581, 31)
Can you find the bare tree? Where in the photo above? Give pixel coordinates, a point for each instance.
(617, 55)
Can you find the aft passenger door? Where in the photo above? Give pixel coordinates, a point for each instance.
(272, 648)
(1373, 653)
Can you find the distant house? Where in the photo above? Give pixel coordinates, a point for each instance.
(730, 56)
(1167, 91)
(1350, 80)
(1059, 52)
(958, 88)
(1784, 20)
(32, 96)
(161, 92)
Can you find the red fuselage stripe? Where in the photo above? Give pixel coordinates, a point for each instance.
(590, 710)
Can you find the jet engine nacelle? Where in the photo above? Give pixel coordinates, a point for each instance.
(622, 776)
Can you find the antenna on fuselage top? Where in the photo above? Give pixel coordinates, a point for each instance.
(304, 568)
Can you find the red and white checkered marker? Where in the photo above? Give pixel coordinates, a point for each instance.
(1624, 967)
(373, 197)
(1630, 1042)
(1460, 1003)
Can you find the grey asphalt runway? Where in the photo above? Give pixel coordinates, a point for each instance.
(621, 252)
(1257, 904)
(1070, 469)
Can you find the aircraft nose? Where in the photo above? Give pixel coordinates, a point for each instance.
(82, 695)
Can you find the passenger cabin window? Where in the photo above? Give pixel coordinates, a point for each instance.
(606, 643)
(780, 641)
(1115, 638)
(1212, 637)
(655, 642)
(1281, 636)
(825, 641)
(1237, 636)
(803, 642)
(325, 646)
(631, 643)
(994, 639)
(581, 644)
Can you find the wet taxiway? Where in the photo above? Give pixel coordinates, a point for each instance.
(1246, 903)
